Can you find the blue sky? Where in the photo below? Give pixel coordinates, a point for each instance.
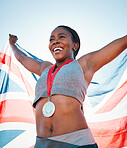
(97, 22)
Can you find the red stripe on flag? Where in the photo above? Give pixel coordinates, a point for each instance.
(28, 87)
(114, 100)
(17, 111)
(110, 134)
(5, 59)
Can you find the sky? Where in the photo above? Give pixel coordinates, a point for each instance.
(97, 22)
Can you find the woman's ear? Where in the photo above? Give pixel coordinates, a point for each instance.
(76, 46)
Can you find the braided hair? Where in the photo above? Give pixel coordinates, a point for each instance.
(75, 37)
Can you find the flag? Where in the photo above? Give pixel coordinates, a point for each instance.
(105, 107)
(17, 116)
(106, 104)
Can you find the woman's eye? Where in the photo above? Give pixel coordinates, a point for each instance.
(51, 40)
(62, 36)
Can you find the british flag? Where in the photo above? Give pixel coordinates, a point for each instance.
(17, 119)
(106, 104)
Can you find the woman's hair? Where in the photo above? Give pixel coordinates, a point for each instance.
(75, 37)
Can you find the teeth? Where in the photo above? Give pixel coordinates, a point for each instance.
(58, 49)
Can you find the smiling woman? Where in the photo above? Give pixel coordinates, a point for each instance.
(66, 37)
(61, 88)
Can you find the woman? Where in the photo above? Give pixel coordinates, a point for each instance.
(61, 88)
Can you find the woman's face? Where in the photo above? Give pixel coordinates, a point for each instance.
(61, 44)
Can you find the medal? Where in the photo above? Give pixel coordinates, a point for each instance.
(49, 107)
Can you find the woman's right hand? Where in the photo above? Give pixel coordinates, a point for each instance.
(12, 39)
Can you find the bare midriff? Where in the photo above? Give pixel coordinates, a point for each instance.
(68, 117)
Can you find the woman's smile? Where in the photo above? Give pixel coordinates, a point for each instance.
(57, 49)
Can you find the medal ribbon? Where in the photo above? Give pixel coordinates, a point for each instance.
(51, 76)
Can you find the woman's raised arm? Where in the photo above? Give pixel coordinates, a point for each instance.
(29, 63)
(92, 62)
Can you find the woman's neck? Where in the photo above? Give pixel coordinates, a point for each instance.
(59, 63)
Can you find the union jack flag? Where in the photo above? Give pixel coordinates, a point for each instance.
(106, 104)
(17, 117)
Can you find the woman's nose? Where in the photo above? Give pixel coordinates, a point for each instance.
(56, 41)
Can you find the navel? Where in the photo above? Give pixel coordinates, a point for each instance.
(51, 129)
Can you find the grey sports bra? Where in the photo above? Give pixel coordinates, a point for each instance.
(68, 81)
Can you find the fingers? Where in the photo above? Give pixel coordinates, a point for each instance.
(12, 39)
(13, 36)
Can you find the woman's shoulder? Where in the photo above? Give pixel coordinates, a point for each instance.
(45, 65)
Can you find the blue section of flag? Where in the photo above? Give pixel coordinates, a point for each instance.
(8, 135)
(107, 78)
(8, 85)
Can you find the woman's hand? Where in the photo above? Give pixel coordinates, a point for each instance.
(12, 39)
(29, 63)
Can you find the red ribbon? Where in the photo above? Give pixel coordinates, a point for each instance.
(51, 76)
